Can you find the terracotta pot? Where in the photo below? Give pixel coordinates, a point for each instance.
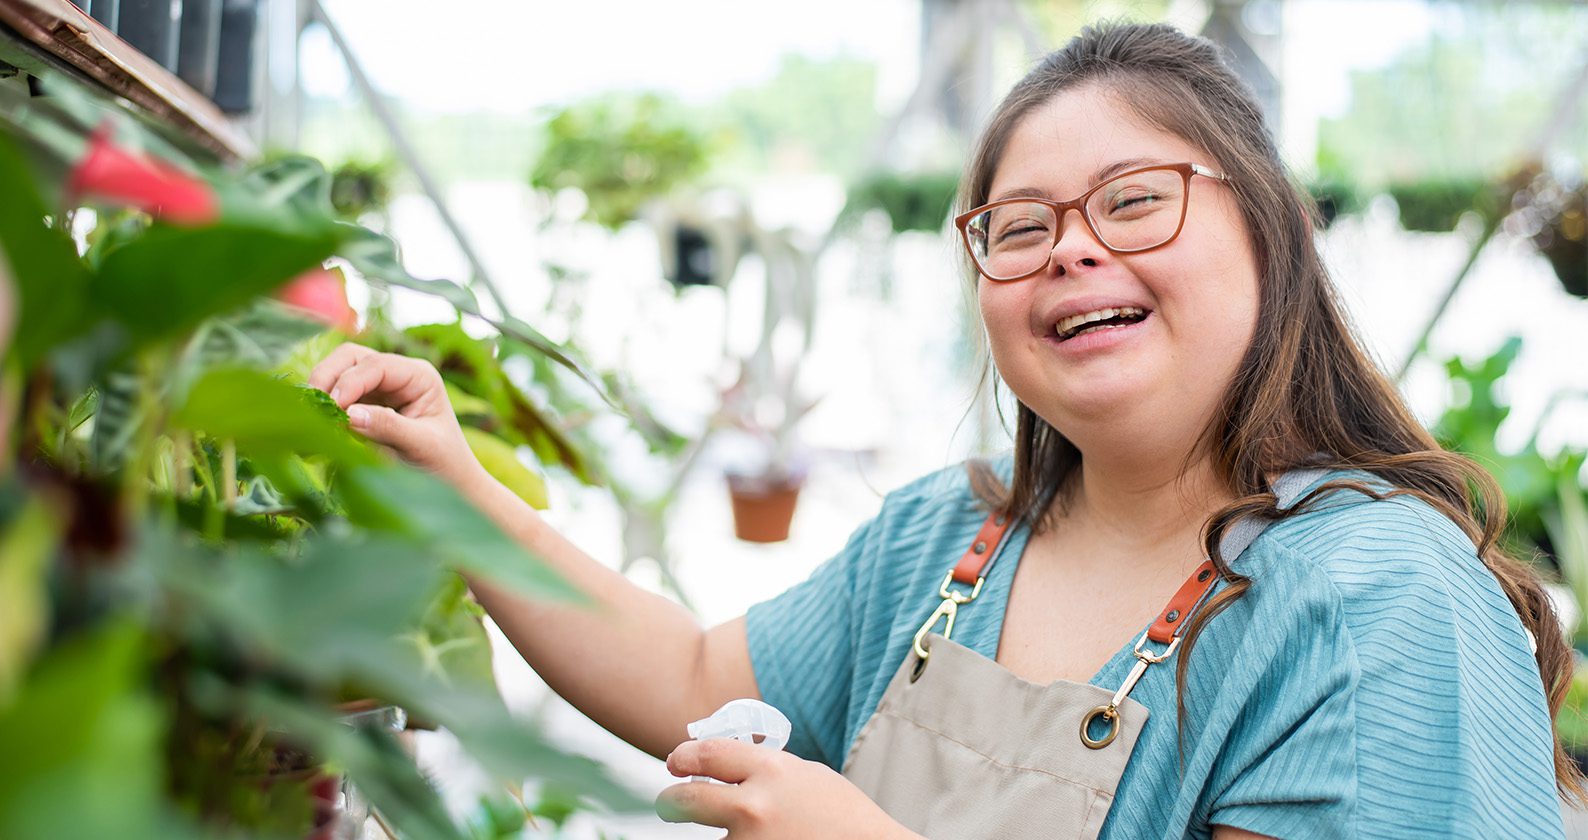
(763, 506)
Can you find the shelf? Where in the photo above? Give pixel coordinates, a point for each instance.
(66, 33)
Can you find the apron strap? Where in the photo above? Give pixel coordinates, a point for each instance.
(969, 570)
(972, 567)
(1171, 622)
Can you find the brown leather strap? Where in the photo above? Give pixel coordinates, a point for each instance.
(1171, 621)
(1174, 617)
(982, 549)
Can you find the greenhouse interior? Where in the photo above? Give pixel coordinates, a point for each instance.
(500, 419)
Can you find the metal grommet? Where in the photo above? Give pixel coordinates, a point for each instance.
(920, 668)
(1107, 713)
(979, 547)
(1172, 616)
(999, 521)
(1204, 576)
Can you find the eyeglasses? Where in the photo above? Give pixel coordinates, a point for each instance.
(1129, 213)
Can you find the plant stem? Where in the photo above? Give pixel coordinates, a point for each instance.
(229, 474)
(181, 470)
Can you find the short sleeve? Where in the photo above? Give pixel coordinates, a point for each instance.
(1288, 768)
(1397, 698)
(802, 645)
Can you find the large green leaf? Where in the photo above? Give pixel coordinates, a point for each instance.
(171, 278)
(27, 542)
(373, 760)
(404, 500)
(324, 613)
(263, 335)
(500, 459)
(51, 283)
(504, 746)
(451, 639)
(268, 417)
(83, 745)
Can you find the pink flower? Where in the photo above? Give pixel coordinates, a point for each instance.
(111, 173)
(322, 294)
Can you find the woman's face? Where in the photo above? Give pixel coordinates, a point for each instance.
(1164, 373)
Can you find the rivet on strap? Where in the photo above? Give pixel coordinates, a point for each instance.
(1183, 603)
(981, 552)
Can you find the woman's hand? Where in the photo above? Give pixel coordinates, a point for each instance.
(399, 402)
(773, 795)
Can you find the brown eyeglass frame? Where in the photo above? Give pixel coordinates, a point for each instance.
(1060, 208)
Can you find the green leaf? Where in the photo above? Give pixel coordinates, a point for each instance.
(376, 258)
(451, 638)
(269, 417)
(404, 500)
(51, 283)
(116, 419)
(1568, 531)
(171, 278)
(296, 182)
(500, 459)
(341, 603)
(264, 335)
(82, 408)
(505, 747)
(27, 543)
(373, 760)
(83, 751)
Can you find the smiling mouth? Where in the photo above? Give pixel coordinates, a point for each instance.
(1097, 321)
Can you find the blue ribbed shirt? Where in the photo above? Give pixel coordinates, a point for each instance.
(1373, 682)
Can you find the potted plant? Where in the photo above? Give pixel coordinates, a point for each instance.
(1434, 205)
(202, 565)
(918, 201)
(620, 152)
(1556, 216)
(770, 469)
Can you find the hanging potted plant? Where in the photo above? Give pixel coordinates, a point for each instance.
(1562, 231)
(770, 469)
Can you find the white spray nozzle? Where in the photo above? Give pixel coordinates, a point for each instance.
(750, 721)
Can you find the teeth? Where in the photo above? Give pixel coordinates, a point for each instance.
(1075, 322)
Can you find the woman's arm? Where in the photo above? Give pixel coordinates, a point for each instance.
(1224, 832)
(635, 662)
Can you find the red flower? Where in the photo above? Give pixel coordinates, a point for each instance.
(111, 173)
(322, 294)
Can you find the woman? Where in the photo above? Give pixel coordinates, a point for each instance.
(974, 660)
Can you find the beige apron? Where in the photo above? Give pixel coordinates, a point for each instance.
(961, 748)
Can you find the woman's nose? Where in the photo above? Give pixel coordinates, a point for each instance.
(1075, 245)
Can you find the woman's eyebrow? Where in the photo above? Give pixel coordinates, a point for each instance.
(1019, 192)
(1101, 175)
(1119, 166)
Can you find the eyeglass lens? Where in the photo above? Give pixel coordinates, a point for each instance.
(1132, 212)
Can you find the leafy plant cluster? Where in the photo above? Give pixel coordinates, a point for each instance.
(1545, 495)
(203, 573)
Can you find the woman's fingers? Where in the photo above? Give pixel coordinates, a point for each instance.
(722, 806)
(343, 357)
(384, 379)
(723, 759)
(382, 425)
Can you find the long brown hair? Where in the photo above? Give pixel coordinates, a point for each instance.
(1305, 393)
